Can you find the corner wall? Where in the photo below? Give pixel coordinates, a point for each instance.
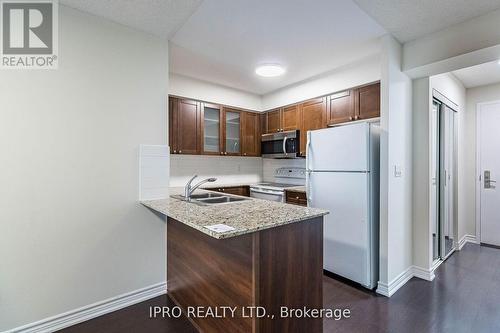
(395, 151)
(72, 232)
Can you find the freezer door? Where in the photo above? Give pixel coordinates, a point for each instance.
(347, 250)
(343, 148)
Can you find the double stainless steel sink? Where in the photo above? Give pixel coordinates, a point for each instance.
(206, 199)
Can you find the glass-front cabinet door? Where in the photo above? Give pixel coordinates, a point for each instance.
(211, 129)
(232, 132)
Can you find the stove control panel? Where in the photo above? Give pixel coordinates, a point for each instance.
(299, 173)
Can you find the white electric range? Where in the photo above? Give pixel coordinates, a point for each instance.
(275, 191)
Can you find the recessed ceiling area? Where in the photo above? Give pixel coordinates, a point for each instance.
(409, 19)
(479, 75)
(225, 40)
(160, 18)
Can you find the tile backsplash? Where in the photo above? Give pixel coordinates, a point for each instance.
(230, 169)
(227, 169)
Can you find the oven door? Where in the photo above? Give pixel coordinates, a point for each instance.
(281, 145)
(267, 194)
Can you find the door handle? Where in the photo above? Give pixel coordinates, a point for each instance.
(488, 182)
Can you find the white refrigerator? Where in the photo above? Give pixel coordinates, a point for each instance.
(343, 177)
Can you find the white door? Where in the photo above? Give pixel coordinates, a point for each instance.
(346, 231)
(342, 148)
(489, 166)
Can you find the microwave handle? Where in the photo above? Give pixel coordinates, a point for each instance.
(284, 145)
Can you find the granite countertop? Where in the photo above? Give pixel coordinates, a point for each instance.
(245, 216)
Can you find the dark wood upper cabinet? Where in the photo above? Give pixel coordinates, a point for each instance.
(313, 117)
(263, 122)
(367, 102)
(341, 107)
(232, 132)
(211, 129)
(185, 126)
(291, 118)
(172, 124)
(250, 134)
(274, 121)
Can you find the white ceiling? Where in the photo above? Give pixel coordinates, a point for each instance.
(409, 19)
(224, 40)
(479, 75)
(159, 17)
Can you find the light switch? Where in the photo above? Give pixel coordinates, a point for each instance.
(398, 171)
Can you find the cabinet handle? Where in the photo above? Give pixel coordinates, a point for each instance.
(297, 198)
(175, 151)
(225, 153)
(350, 117)
(222, 153)
(244, 154)
(356, 117)
(180, 151)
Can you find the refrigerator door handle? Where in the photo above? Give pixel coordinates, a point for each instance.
(308, 188)
(308, 151)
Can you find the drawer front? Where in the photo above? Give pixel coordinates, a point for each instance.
(296, 198)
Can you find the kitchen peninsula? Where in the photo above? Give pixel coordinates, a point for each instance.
(271, 257)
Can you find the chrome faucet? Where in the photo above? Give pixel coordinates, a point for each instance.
(188, 189)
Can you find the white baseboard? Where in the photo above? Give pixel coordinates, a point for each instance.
(413, 271)
(389, 289)
(88, 312)
(423, 273)
(467, 239)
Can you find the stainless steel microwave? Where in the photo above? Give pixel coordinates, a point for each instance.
(281, 145)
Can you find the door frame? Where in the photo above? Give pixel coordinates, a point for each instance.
(479, 179)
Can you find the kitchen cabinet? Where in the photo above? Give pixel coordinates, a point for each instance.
(184, 120)
(274, 121)
(341, 107)
(236, 190)
(283, 119)
(313, 117)
(368, 102)
(232, 132)
(290, 118)
(296, 197)
(211, 129)
(250, 134)
(354, 104)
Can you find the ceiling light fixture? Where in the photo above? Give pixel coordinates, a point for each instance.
(270, 70)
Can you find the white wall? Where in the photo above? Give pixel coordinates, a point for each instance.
(476, 95)
(422, 243)
(229, 170)
(462, 45)
(72, 231)
(396, 150)
(355, 74)
(184, 86)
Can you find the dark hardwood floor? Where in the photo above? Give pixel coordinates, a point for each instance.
(464, 297)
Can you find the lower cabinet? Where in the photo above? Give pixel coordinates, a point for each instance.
(236, 190)
(296, 198)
